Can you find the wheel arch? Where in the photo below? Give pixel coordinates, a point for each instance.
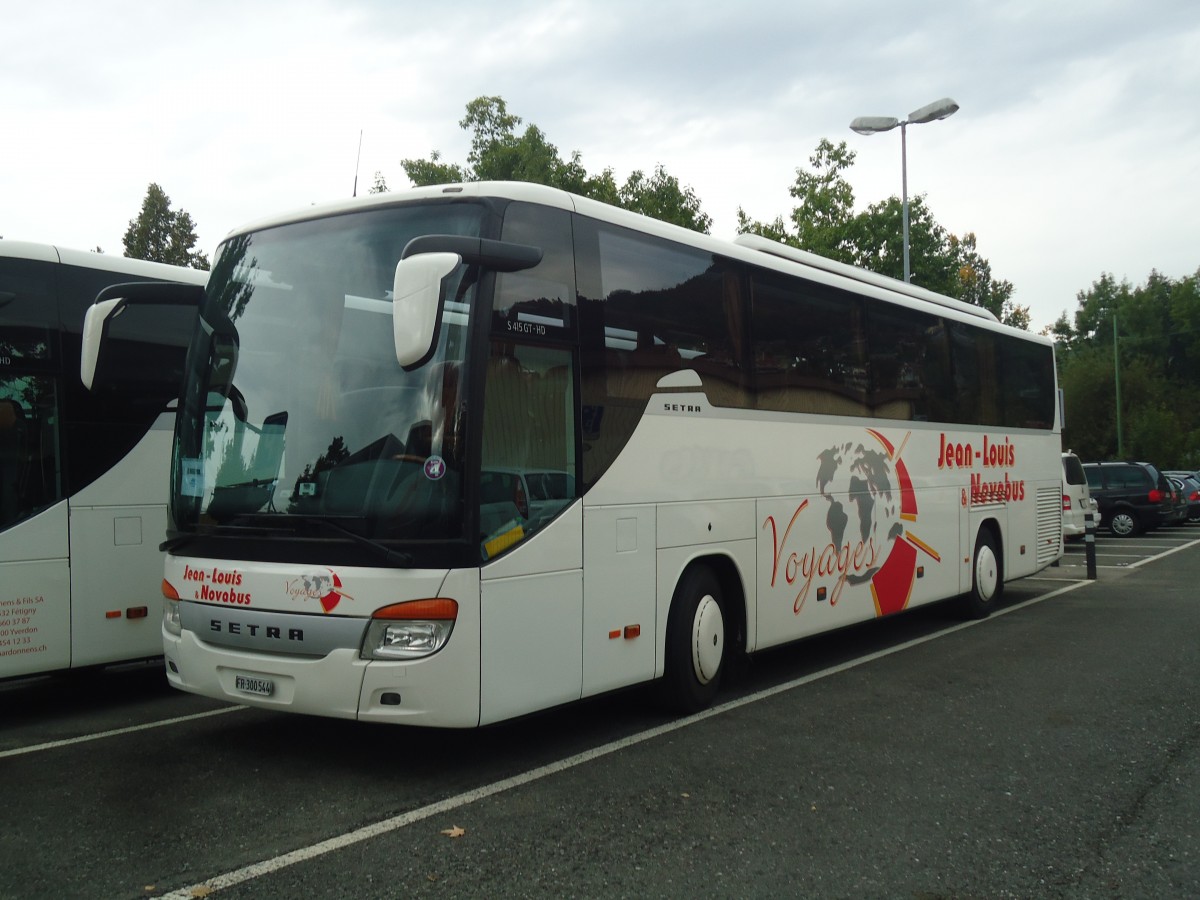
(729, 574)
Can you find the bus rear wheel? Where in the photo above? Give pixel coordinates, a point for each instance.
(696, 637)
(987, 576)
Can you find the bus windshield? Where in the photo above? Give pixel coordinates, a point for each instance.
(297, 418)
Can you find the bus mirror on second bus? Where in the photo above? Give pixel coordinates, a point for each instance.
(135, 338)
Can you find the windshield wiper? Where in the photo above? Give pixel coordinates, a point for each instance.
(387, 554)
(251, 522)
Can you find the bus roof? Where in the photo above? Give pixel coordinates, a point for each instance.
(89, 260)
(749, 248)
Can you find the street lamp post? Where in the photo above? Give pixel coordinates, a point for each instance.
(938, 109)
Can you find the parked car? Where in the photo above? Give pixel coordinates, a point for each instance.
(1179, 505)
(1189, 486)
(1132, 496)
(1077, 499)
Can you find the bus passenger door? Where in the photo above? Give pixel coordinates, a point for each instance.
(531, 534)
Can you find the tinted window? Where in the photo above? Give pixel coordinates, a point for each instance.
(1128, 477)
(28, 315)
(1026, 383)
(764, 340)
(100, 428)
(30, 477)
(1073, 470)
(910, 366)
(973, 358)
(809, 348)
(649, 307)
(538, 302)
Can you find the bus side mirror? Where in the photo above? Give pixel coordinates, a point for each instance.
(135, 339)
(418, 292)
(417, 296)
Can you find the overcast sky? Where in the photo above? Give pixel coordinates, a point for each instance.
(1076, 150)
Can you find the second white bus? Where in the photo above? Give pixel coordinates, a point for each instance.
(457, 455)
(82, 474)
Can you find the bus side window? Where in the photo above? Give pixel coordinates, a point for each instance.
(12, 462)
(29, 475)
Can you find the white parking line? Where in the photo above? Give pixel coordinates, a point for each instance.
(269, 866)
(85, 738)
(1176, 549)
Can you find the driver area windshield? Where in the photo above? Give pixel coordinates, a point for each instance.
(297, 420)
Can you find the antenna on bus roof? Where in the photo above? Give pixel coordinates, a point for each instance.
(357, 160)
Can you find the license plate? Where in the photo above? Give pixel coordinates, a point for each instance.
(247, 684)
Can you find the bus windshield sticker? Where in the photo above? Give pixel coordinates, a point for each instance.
(435, 468)
(192, 478)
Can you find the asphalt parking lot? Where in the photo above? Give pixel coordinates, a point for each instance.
(1048, 751)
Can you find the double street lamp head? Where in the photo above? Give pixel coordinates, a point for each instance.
(931, 112)
(938, 109)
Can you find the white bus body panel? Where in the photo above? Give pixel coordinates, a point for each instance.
(81, 565)
(116, 565)
(35, 595)
(934, 488)
(620, 617)
(531, 614)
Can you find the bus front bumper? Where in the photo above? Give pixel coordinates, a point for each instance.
(434, 691)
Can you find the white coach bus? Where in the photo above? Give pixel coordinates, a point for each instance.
(82, 475)
(455, 455)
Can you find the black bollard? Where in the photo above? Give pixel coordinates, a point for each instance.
(1089, 543)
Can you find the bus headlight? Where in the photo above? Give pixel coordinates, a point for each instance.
(410, 630)
(171, 624)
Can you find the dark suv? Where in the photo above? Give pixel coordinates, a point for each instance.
(1132, 496)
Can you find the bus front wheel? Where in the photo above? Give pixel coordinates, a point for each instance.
(696, 637)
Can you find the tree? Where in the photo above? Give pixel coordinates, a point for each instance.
(824, 222)
(499, 153)
(660, 197)
(1152, 332)
(380, 185)
(160, 234)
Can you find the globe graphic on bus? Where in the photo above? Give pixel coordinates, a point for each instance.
(861, 489)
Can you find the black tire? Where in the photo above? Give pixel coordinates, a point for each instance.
(987, 577)
(696, 651)
(1124, 523)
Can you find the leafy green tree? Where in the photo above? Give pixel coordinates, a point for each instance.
(161, 234)
(824, 222)
(500, 153)
(1157, 348)
(975, 284)
(659, 196)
